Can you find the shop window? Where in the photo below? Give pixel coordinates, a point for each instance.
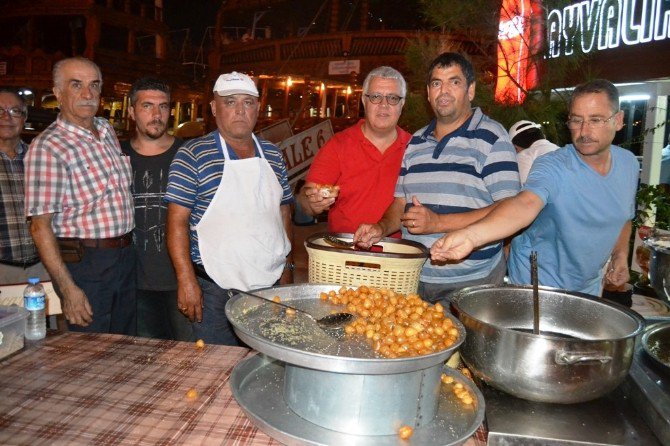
(631, 136)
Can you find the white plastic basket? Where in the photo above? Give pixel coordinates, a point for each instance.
(393, 263)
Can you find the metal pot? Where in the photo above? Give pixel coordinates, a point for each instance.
(584, 349)
(659, 264)
(656, 343)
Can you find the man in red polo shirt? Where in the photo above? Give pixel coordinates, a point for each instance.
(363, 160)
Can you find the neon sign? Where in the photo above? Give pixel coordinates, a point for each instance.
(604, 24)
(517, 72)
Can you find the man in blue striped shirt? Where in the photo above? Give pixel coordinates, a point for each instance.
(454, 172)
(228, 221)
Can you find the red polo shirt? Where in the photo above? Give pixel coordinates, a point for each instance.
(366, 177)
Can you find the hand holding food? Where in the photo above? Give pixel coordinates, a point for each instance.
(320, 197)
(328, 190)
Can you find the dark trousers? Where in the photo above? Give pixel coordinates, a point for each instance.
(215, 327)
(159, 317)
(107, 277)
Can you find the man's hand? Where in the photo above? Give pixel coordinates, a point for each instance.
(314, 201)
(189, 299)
(367, 235)
(419, 219)
(617, 273)
(76, 308)
(453, 246)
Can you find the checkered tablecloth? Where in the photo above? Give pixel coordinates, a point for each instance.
(100, 389)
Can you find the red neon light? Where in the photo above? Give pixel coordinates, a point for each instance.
(519, 34)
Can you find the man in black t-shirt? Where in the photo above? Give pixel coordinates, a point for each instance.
(151, 151)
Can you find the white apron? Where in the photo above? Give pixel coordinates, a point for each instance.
(241, 236)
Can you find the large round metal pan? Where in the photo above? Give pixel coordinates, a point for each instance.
(299, 341)
(656, 343)
(257, 384)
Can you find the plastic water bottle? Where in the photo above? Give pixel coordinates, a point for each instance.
(33, 301)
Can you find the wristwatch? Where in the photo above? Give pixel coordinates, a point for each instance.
(290, 266)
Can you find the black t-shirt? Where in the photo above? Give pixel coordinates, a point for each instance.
(150, 179)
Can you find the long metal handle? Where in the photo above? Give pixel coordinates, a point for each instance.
(567, 358)
(233, 291)
(536, 292)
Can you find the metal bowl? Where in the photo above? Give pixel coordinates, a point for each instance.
(656, 343)
(584, 349)
(659, 264)
(299, 341)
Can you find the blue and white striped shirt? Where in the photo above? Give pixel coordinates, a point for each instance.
(468, 169)
(195, 175)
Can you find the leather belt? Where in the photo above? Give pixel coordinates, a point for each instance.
(200, 272)
(20, 264)
(113, 242)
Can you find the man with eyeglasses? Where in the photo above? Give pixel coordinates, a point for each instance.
(453, 171)
(578, 201)
(79, 201)
(229, 218)
(19, 259)
(363, 160)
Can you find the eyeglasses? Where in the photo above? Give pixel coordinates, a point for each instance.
(15, 112)
(577, 123)
(391, 99)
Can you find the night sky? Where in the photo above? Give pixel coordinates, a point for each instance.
(199, 14)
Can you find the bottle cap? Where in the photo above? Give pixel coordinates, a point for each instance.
(33, 280)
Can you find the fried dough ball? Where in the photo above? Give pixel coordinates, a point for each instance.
(395, 325)
(328, 190)
(461, 392)
(192, 395)
(405, 432)
(199, 344)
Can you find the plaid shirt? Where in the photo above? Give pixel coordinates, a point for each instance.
(83, 181)
(16, 244)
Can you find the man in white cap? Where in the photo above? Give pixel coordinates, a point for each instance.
(228, 223)
(530, 143)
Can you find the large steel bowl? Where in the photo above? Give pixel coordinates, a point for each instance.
(584, 349)
(339, 383)
(659, 264)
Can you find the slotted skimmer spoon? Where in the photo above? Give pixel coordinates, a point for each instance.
(337, 242)
(330, 322)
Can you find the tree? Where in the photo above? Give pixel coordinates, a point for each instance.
(472, 27)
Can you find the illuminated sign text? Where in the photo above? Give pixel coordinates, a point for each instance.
(603, 24)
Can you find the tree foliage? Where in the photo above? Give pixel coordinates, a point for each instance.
(478, 20)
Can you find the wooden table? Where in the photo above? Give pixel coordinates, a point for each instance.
(102, 389)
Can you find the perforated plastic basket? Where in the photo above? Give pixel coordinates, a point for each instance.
(393, 263)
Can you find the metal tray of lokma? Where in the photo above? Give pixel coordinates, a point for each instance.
(297, 340)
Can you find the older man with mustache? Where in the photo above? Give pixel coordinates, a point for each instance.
(151, 150)
(578, 204)
(78, 197)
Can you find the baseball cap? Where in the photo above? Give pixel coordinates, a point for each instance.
(235, 83)
(522, 126)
